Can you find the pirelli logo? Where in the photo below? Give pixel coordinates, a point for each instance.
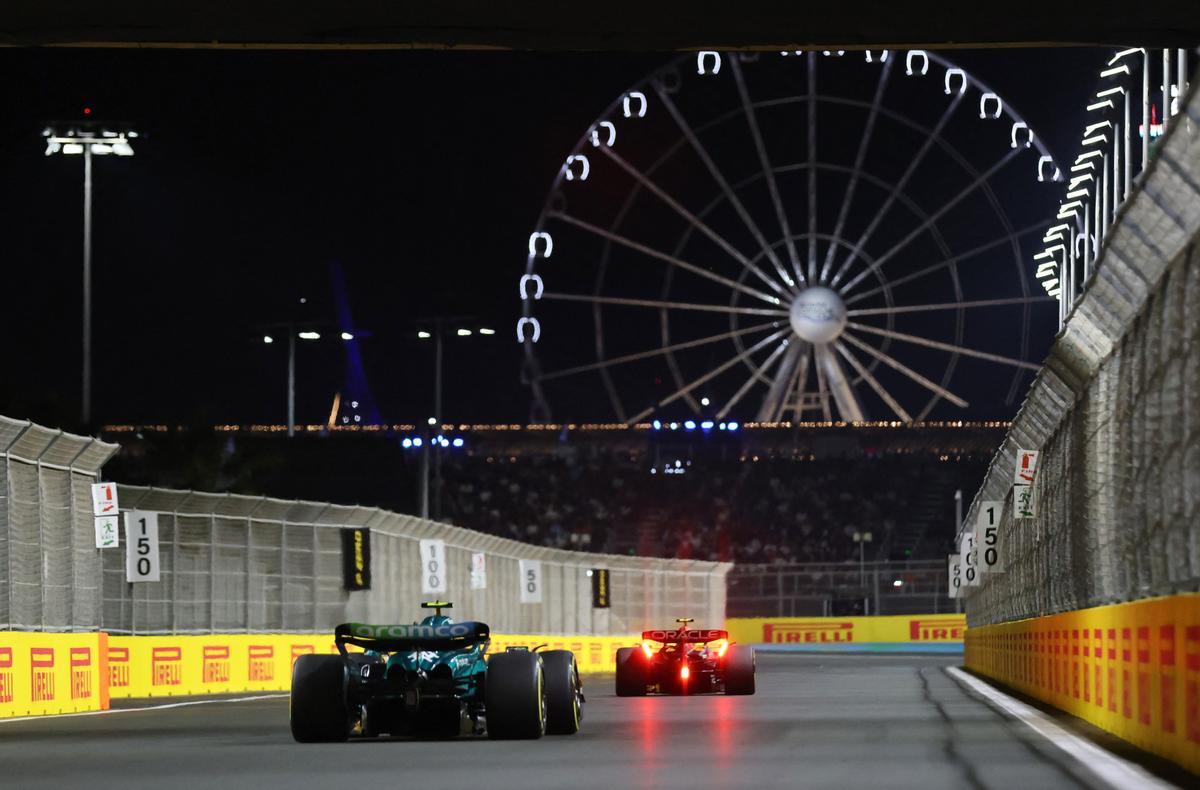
(808, 631)
(166, 666)
(301, 650)
(6, 675)
(937, 629)
(261, 662)
(216, 664)
(118, 667)
(41, 662)
(81, 672)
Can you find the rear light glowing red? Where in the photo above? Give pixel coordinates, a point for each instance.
(683, 673)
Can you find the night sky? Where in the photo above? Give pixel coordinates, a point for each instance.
(420, 173)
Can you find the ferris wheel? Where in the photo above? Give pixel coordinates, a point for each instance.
(796, 235)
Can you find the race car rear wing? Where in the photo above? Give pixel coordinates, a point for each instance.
(397, 638)
(682, 636)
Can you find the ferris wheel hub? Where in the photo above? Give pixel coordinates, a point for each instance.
(818, 314)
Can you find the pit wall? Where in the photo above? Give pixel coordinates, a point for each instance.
(71, 673)
(1132, 669)
(833, 632)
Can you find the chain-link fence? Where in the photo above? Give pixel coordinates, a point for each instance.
(49, 566)
(1116, 415)
(235, 563)
(827, 589)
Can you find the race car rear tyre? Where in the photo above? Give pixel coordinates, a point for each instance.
(631, 672)
(563, 708)
(516, 696)
(318, 709)
(738, 670)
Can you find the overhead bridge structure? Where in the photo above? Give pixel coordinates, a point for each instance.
(618, 25)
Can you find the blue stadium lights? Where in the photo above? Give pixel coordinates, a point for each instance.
(707, 425)
(406, 443)
(417, 441)
(458, 441)
(731, 426)
(690, 425)
(721, 426)
(674, 426)
(657, 425)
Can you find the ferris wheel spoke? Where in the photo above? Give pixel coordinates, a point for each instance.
(934, 217)
(924, 308)
(921, 341)
(719, 177)
(800, 385)
(710, 375)
(658, 304)
(822, 388)
(899, 367)
(665, 258)
(767, 169)
(607, 363)
(839, 386)
(754, 376)
(861, 370)
(693, 220)
(863, 144)
(933, 136)
(948, 262)
(812, 167)
(783, 383)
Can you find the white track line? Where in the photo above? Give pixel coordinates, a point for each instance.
(1116, 771)
(148, 707)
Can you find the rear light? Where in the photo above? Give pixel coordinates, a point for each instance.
(722, 645)
(649, 651)
(683, 673)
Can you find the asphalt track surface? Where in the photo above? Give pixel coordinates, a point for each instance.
(822, 721)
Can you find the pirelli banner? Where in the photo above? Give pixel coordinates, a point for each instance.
(52, 673)
(1132, 669)
(939, 629)
(166, 666)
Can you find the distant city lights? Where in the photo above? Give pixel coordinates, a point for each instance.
(347, 336)
(423, 335)
(268, 339)
(310, 335)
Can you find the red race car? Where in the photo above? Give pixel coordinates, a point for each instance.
(688, 662)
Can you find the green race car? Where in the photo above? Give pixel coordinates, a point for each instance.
(432, 679)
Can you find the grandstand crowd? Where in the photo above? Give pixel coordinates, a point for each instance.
(768, 497)
(765, 510)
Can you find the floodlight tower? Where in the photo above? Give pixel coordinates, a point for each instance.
(88, 139)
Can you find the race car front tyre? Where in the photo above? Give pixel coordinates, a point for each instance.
(563, 708)
(631, 672)
(516, 696)
(318, 710)
(738, 670)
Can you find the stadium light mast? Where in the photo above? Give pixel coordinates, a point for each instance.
(436, 328)
(87, 140)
